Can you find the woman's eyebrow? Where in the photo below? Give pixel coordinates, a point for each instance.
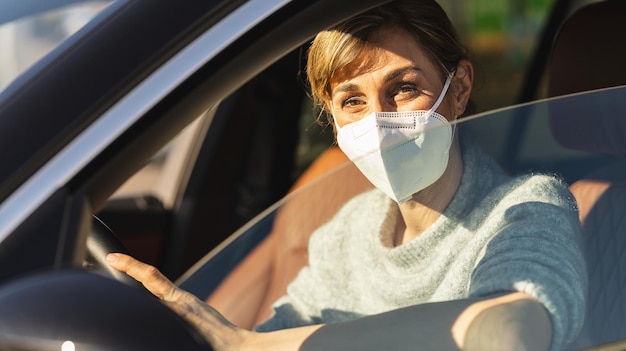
(348, 87)
(401, 71)
(344, 88)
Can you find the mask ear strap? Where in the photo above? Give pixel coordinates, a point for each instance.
(454, 125)
(446, 85)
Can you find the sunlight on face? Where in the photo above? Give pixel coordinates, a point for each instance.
(393, 74)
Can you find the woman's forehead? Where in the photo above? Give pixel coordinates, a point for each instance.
(387, 49)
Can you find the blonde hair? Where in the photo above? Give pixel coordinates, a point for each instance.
(335, 48)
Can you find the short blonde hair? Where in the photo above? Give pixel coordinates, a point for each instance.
(335, 48)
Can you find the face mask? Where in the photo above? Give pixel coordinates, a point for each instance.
(400, 153)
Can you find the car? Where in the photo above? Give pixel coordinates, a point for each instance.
(172, 125)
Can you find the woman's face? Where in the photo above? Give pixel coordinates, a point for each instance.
(394, 74)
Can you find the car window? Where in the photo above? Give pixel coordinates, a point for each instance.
(502, 39)
(25, 40)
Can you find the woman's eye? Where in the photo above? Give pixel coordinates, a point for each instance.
(351, 101)
(406, 89)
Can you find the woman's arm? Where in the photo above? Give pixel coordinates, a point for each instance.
(509, 322)
(514, 321)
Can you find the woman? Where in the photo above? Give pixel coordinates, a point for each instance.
(448, 252)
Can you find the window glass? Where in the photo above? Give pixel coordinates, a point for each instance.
(502, 36)
(25, 40)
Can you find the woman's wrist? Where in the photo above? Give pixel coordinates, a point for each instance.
(230, 338)
(280, 340)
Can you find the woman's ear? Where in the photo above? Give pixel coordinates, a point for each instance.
(462, 86)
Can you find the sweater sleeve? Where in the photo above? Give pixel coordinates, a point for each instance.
(286, 315)
(537, 249)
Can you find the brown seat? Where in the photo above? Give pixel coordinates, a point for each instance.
(589, 53)
(246, 295)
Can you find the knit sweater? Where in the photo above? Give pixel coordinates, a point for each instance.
(498, 234)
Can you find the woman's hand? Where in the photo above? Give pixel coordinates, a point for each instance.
(219, 332)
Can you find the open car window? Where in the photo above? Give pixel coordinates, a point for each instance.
(501, 37)
(504, 40)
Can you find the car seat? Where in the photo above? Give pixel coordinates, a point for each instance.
(589, 53)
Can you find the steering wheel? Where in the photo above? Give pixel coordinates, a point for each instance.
(100, 242)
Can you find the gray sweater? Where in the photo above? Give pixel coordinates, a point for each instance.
(498, 234)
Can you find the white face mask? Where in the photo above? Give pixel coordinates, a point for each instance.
(400, 153)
